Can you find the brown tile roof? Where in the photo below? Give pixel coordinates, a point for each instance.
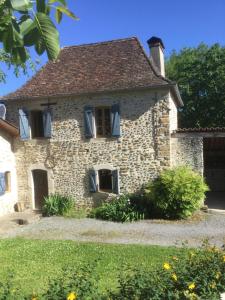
(107, 66)
(8, 127)
(200, 130)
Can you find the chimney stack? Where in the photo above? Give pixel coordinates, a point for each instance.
(156, 49)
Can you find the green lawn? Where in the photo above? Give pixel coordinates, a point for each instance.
(32, 262)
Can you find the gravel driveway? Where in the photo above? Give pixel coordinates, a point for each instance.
(152, 232)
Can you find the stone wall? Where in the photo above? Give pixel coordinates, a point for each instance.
(7, 164)
(139, 154)
(186, 150)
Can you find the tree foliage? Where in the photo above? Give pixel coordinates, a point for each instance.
(200, 74)
(27, 23)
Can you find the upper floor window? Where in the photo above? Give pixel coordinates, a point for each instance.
(102, 121)
(35, 123)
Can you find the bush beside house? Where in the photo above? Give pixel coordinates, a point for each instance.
(120, 209)
(57, 205)
(175, 194)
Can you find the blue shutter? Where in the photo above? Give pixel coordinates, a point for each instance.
(115, 181)
(88, 122)
(115, 120)
(2, 184)
(92, 181)
(47, 123)
(24, 124)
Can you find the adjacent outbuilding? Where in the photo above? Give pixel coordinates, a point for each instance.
(8, 181)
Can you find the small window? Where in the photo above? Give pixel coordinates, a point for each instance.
(37, 127)
(102, 119)
(7, 181)
(105, 180)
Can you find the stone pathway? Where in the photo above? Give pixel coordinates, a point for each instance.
(13, 221)
(209, 226)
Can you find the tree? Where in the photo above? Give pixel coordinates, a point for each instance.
(27, 23)
(200, 74)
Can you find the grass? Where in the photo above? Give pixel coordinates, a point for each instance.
(33, 262)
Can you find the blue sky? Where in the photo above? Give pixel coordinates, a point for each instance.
(180, 23)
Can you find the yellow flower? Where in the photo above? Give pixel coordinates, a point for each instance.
(72, 296)
(218, 274)
(34, 298)
(174, 277)
(215, 249)
(166, 266)
(213, 285)
(224, 258)
(193, 296)
(192, 254)
(191, 286)
(190, 295)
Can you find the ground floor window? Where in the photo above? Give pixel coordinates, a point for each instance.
(8, 181)
(105, 180)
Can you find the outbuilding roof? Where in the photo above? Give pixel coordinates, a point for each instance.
(201, 129)
(101, 67)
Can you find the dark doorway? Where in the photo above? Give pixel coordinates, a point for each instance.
(214, 171)
(40, 182)
(105, 180)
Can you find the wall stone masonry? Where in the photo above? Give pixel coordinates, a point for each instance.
(186, 150)
(141, 152)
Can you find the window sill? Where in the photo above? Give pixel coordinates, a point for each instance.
(36, 140)
(105, 192)
(40, 138)
(104, 139)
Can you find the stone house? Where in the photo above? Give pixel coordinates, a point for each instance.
(99, 120)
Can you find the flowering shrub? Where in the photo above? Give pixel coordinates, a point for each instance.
(119, 209)
(200, 274)
(73, 285)
(197, 274)
(177, 193)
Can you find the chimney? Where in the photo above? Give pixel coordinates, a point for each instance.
(156, 49)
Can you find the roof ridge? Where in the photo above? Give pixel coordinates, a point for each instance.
(130, 68)
(101, 43)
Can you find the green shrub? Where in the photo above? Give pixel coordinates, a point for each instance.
(177, 193)
(73, 284)
(194, 274)
(57, 205)
(142, 204)
(200, 274)
(119, 209)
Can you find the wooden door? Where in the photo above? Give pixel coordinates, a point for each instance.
(40, 183)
